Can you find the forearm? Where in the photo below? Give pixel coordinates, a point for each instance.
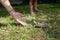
(7, 5)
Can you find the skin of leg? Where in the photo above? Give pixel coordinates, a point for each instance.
(31, 7)
(35, 4)
(12, 12)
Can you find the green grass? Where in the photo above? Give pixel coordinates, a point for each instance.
(11, 30)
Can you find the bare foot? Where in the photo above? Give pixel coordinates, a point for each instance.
(18, 17)
(32, 13)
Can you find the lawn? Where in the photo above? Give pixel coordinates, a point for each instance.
(11, 30)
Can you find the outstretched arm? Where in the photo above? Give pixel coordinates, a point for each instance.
(15, 15)
(7, 5)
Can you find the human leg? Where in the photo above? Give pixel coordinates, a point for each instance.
(35, 6)
(31, 7)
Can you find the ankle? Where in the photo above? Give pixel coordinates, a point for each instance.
(35, 9)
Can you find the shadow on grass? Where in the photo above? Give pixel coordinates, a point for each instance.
(1, 24)
(54, 33)
(15, 24)
(10, 24)
(3, 12)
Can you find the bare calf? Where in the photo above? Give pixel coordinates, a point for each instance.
(32, 6)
